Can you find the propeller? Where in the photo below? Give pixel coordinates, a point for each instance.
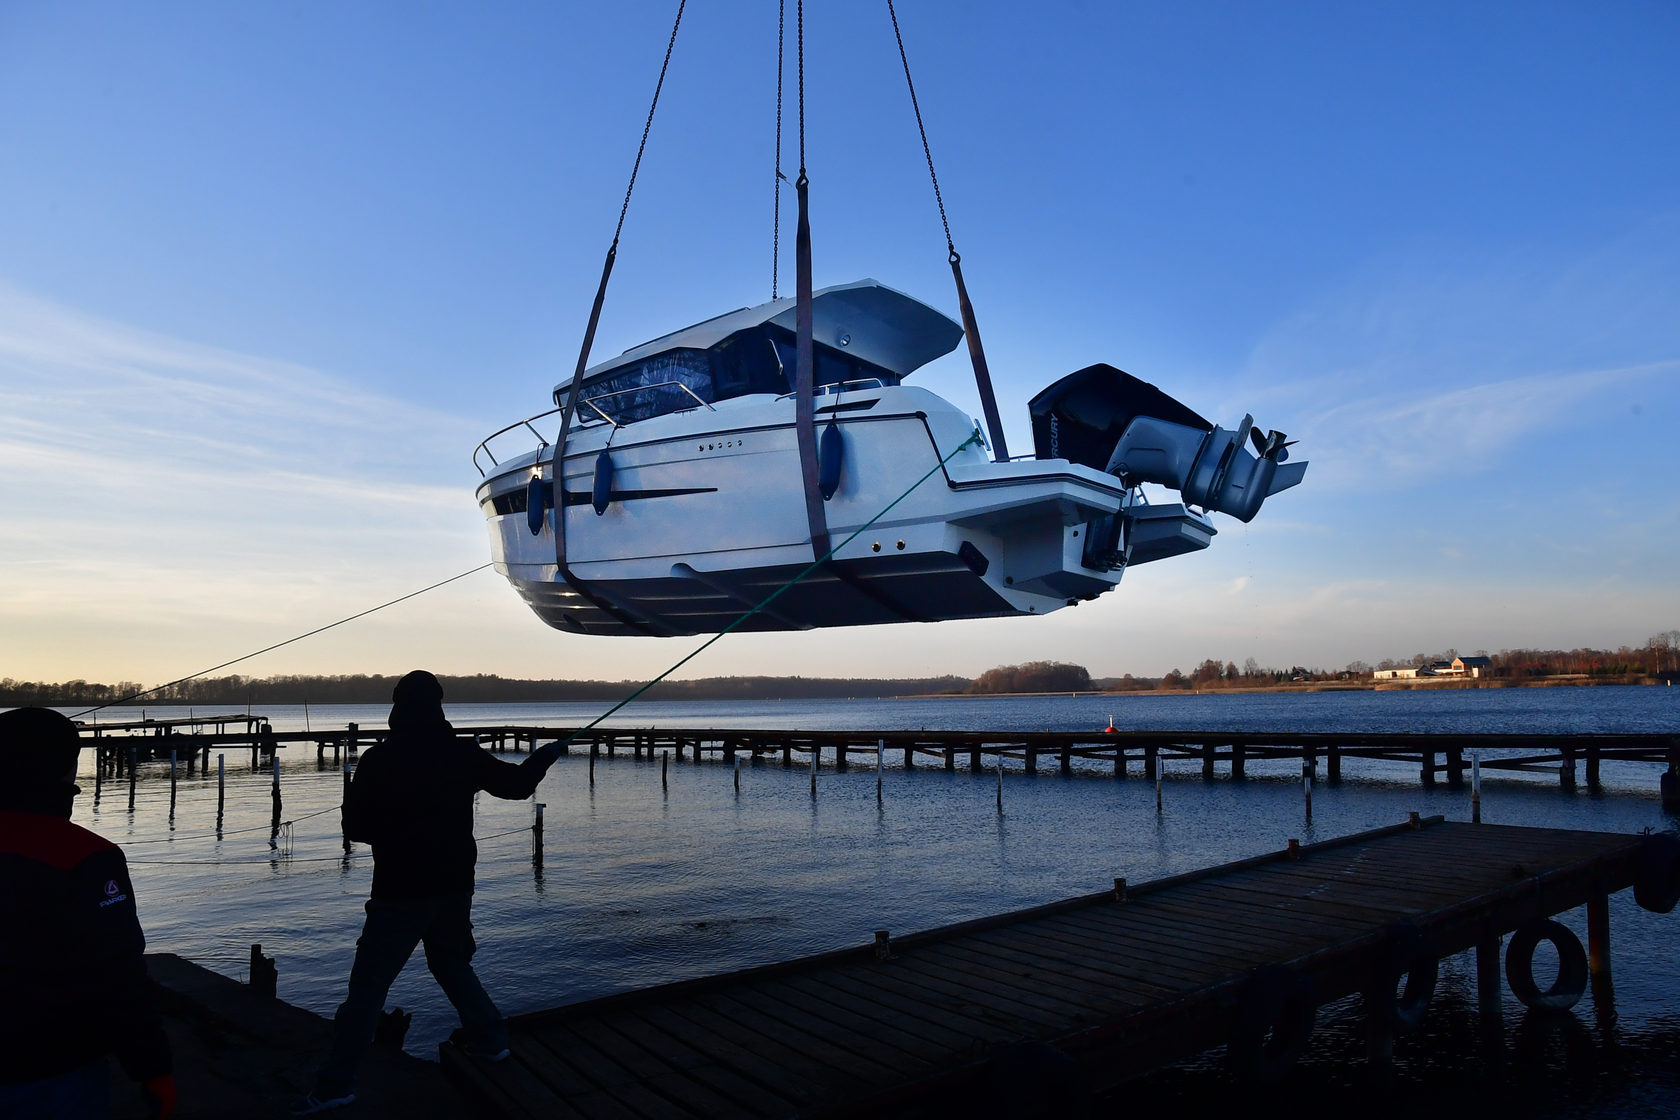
(1273, 445)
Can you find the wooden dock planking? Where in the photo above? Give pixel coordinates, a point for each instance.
(1118, 986)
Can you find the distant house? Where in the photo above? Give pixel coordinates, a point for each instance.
(1393, 674)
(1471, 666)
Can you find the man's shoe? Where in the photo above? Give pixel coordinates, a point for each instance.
(462, 1042)
(312, 1103)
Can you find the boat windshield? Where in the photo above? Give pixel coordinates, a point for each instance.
(760, 359)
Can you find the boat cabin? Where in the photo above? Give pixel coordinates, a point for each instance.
(864, 335)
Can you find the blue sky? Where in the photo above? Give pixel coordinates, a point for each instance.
(268, 272)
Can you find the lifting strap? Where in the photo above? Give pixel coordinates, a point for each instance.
(971, 329)
(575, 389)
(805, 369)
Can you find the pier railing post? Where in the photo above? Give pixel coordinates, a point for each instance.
(1566, 768)
(1427, 773)
(133, 758)
(221, 788)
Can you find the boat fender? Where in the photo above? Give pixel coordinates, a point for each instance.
(831, 457)
(536, 504)
(601, 495)
(1571, 980)
(1272, 1023)
(1656, 877)
(1403, 982)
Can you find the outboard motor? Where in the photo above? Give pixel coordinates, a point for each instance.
(1146, 436)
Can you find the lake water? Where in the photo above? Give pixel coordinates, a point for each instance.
(642, 885)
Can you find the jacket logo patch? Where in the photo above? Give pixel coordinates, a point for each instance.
(113, 894)
(110, 887)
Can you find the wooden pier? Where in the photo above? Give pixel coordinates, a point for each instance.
(1437, 757)
(1080, 995)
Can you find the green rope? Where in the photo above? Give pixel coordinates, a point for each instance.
(774, 595)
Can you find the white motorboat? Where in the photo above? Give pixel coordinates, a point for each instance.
(685, 501)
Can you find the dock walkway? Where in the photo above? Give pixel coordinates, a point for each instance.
(1090, 991)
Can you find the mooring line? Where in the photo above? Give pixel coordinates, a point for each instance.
(287, 642)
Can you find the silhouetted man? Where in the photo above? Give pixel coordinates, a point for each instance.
(73, 983)
(412, 799)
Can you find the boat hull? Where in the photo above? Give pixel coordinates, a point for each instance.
(703, 519)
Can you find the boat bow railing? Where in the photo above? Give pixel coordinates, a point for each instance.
(484, 445)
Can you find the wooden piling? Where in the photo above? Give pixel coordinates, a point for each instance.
(1593, 785)
(1239, 759)
(1476, 789)
(1427, 773)
(221, 788)
(737, 764)
(133, 758)
(840, 757)
(816, 751)
(1598, 955)
(909, 757)
(1488, 986)
(1067, 760)
(344, 810)
(1306, 786)
(98, 772)
(1566, 768)
(664, 769)
(274, 824)
(1207, 762)
(172, 784)
(1151, 760)
(537, 833)
(594, 749)
(1000, 789)
(880, 753)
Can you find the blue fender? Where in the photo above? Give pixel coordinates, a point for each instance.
(536, 503)
(831, 457)
(601, 495)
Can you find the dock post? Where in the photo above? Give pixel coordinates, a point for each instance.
(1000, 787)
(1029, 754)
(816, 752)
(344, 809)
(265, 975)
(1455, 767)
(1239, 759)
(737, 764)
(172, 785)
(1598, 955)
(1593, 785)
(1151, 762)
(1427, 772)
(1488, 990)
(787, 756)
(352, 749)
(594, 749)
(1119, 761)
(909, 757)
(537, 833)
(274, 825)
(1157, 791)
(840, 757)
(1476, 788)
(1207, 762)
(1067, 759)
(880, 754)
(133, 757)
(951, 762)
(1306, 786)
(1333, 766)
(221, 788)
(728, 751)
(664, 769)
(1566, 768)
(974, 759)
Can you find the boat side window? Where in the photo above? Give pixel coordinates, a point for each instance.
(834, 366)
(653, 386)
(746, 362)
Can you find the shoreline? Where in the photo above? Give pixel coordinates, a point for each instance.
(1437, 684)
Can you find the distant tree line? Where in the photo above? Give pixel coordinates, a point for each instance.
(1034, 676)
(479, 689)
